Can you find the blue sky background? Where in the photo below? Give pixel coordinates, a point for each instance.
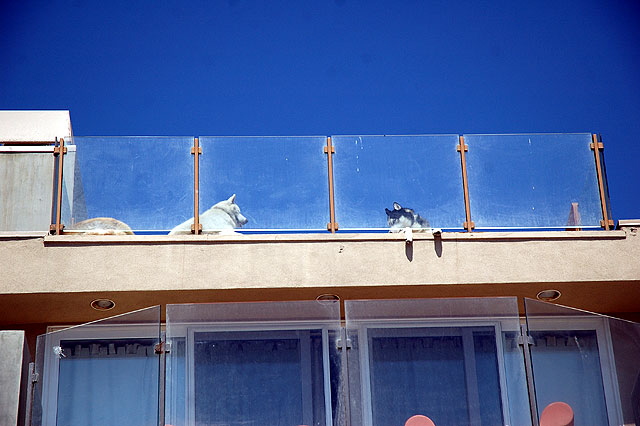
(241, 67)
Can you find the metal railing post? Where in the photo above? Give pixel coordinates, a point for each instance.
(462, 149)
(196, 150)
(329, 149)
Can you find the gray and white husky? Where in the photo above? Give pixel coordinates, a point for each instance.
(403, 217)
(222, 216)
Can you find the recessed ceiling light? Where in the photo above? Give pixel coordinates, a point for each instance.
(327, 297)
(103, 304)
(549, 295)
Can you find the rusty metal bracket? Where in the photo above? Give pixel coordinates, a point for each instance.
(54, 230)
(162, 347)
(607, 225)
(462, 148)
(329, 149)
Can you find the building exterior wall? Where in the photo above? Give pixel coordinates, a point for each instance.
(53, 278)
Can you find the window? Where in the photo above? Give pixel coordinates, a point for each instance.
(457, 369)
(582, 359)
(233, 373)
(451, 374)
(457, 361)
(102, 373)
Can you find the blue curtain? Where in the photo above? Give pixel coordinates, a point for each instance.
(264, 381)
(428, 375)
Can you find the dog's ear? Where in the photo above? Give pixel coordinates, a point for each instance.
(397, 206)
(232, 199)
(388, 211)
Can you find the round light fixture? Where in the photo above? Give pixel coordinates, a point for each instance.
(327, 298)
(548, 295)
(103, 304)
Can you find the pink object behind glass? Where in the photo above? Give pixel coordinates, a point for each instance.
(557, 414)
(419, 420)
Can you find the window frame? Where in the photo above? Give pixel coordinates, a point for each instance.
(83, 332)
(608, 371)
(253, 331)
(500, 327)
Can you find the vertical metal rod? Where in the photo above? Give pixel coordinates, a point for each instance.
(329, 150)
(30, 394)
(162, 379)
(54, 189)
(196, 229)
(596, 145)
(58, 224)
(533, 405)
(468, 224)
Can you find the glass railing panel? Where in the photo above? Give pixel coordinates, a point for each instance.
(533, 181)
(268, 363)
(139, 184)
(280, 183)
(421, 173)
(585, 361)
(455, 361)
(104, 372)
(26, 188)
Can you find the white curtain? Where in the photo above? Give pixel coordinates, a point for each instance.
(108, 385)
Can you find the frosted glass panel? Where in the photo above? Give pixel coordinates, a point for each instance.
(587, 361)
(279, 182)
(101, 373)
(542, 180)
(422, 173)
(26, 170)
(143, 182)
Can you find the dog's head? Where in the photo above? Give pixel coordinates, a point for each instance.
(230, 207)
(402, 217)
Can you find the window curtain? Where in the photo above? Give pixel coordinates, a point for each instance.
(431, 375)
(106, 384)
(271, 382)
(566, 367)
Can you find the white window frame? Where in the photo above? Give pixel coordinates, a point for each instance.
(84, 332)
(605, 351)
(254, 332)
(500, 327)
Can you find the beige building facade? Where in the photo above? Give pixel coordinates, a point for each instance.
(52, 279)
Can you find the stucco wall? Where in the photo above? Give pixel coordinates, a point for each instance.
(594, 270)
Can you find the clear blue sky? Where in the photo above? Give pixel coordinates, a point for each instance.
(298, 67)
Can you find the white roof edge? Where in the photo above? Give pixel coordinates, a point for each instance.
(628, 222)
(34, 126)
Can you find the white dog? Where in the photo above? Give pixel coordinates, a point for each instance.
(222, 216)
(102, 226)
